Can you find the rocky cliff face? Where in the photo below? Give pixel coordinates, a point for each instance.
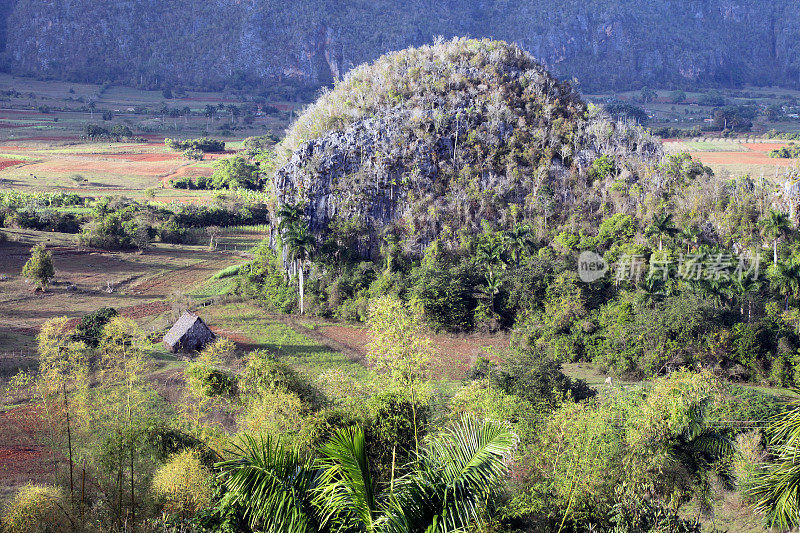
(429, 143)
(605, 44)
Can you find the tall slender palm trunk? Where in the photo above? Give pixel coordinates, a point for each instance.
(302, 286)
(775, 252)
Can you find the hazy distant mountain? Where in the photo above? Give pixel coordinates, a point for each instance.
(603, 43)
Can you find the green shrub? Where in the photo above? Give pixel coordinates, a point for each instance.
(183, 484)
(213, 382)
(90, 328)
(37, 509)
(444, 287)
(171, 232)
(203, 144)
(264, 374)
(390, 429)
(39, 268)
(235, 173)
(264, 279)
(227, 272)
(276, 412)
(538, 379)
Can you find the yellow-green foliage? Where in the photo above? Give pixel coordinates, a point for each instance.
(399, 346)
(275, 412)
(481, 400)
(669, 408)
(183, 483)
(37, 509)
(746, 462)
(39, 268)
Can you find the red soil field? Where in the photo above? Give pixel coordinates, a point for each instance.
(14, 126)
(765, 147)
(163, 284)
(22, 460)
(5, 163)
(144, 310)
(17, 112)
(221, 155)
(133, 146)
(136, 158)
(45, 138)
(187, 171)
(122, 167)
(741, 158)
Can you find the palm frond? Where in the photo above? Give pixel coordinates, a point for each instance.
(777, 487)
(273, 483)
(347, 494)
(458, 472)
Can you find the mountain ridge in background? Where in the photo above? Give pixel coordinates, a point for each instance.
(605, 45)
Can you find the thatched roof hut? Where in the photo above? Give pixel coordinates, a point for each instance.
(188, 334)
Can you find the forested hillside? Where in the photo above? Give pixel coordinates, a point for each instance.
(609, 44)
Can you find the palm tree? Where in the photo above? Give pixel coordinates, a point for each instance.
(289, 215)
(346, 493)
(661, 227)
(784, 278)
(777, 487)
(653, 288)
(456, 475)
(489, 256)
(689, 234)
(774, 226)
(698, 447)
(274, 483)
(299, 245)
(744, 288)
(719, 289)
(520, 241)
(491, 289)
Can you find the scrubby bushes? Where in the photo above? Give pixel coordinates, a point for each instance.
(184, 484)
(117, 132)
(198, 183)
(791, 151)
(90, 328)
(203, 144)
(43, 220)
(37, 509)
(236, 172)
(116, 225)
(40, 211)
(265, 279)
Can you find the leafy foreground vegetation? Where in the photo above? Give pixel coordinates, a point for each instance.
(260, 446)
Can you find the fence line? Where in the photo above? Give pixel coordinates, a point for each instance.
(17, 354)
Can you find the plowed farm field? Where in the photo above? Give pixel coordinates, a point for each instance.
(734, 157)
